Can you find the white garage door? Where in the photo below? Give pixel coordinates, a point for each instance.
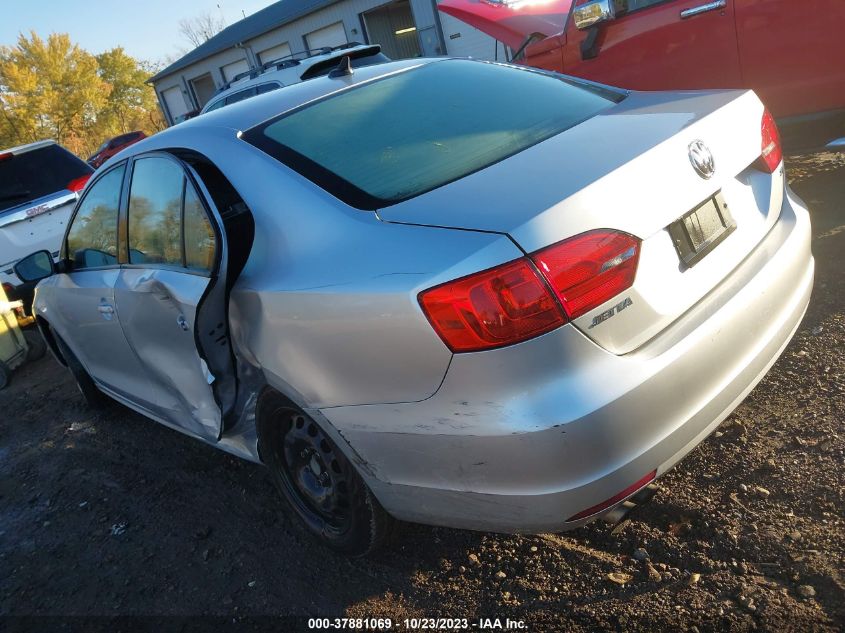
(332, 35)
(277, 52)
(230, 70)
(175, 102)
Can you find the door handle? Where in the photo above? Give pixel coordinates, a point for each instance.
(704, 8)
(182, 322)
(106, 311)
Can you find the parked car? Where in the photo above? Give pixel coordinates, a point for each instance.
(39, 184)
(292, 69)
(410, 296)
(112, 146)
(790, 53)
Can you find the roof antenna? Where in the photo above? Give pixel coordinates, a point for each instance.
(343, 69)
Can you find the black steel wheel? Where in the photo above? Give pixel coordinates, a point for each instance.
(321, 486)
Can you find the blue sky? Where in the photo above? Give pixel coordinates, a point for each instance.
(146, 29)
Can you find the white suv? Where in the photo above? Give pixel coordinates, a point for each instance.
(292, 69)
(39, 185)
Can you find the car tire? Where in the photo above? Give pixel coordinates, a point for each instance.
(94, 398)
(35, 344)
(5, 375)
(321, 485)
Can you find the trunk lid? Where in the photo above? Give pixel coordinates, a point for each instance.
(628, 169)
(510, 22)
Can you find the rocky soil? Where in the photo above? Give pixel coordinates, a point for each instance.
(112, 515)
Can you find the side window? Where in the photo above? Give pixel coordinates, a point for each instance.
(216, 105)
(269, 87)
(635, 5)
(240, 96)
(199, 236)
(165, 213)
(92, 239)
(155, 204)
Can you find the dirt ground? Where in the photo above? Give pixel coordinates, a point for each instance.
(112, 515)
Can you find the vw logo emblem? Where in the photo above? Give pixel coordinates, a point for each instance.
(702, 159)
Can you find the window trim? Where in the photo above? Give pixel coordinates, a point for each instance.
(63, 252)
(187, 177)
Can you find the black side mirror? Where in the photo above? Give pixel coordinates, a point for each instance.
(35, 267)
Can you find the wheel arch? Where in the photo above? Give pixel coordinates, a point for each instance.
(50, 339)
(270, 399)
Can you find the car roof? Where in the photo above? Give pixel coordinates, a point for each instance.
(28, 147)
(250, 112)
(289, 70)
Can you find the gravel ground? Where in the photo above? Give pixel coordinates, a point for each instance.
(113, 515)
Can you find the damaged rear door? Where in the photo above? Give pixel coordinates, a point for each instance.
(171, 295)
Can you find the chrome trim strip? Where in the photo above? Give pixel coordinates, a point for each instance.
(704, 8)
(37, 208)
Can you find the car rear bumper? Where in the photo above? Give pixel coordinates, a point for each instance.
(522, 438)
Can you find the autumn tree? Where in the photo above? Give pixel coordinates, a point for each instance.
(131, 104)
(52, 88)
(49, 89)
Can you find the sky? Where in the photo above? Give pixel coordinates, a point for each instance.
(146, 29)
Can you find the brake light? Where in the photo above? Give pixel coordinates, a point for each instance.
(496, 307)
(771, 152)
(6, 156)
(589, 269)
(78, 184)
(512, 303)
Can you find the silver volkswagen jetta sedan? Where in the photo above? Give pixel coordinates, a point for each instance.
(444, 291)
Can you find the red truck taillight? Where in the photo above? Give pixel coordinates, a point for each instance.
(771, 153)
(78, 184)
(529, 297)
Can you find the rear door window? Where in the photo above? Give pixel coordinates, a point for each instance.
(168, 223)
(37, 173)
(92, 238)
(155, 205)
(199, 236)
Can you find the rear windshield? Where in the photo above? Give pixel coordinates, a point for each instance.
(397, 137)
(37, 173)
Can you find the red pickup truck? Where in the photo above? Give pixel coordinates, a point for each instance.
(790, 52)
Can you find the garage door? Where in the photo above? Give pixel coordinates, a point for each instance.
(332, 35)
(175, 102)
(271, 54)
(230, 70)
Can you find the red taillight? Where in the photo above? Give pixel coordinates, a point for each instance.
(78, 184)
(620, 496)
(7, 288)
(6, 156)
(589, 269)
(512, 303)
(771, 153)
(496, 307)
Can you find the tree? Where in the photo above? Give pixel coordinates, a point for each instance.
(49, 89)
(54, 89)
(131, 104)
(201, 28)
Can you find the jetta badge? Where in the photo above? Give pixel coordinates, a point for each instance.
(702, 159)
